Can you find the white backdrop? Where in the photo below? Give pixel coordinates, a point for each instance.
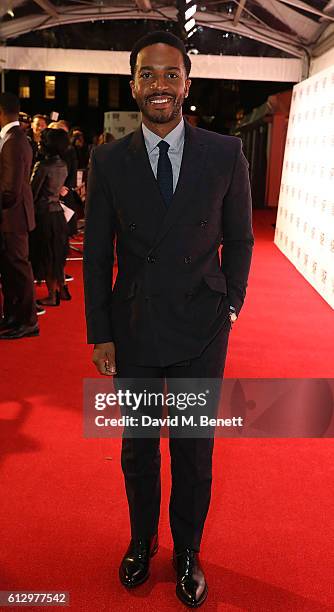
(117, 62)
(305, 219)
(121, 123)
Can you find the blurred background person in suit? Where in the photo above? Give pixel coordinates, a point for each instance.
(19, 308)
(38, 124)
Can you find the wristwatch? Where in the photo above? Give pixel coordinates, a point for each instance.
(232, 314)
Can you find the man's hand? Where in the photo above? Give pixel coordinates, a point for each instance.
(104, 358)
(64, 191)
(233, 315)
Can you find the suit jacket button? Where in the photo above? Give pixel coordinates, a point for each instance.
(132, 227)
(151, 259)
(187, 260)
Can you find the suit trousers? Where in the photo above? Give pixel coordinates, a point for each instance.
(191, 458)
(17, 279)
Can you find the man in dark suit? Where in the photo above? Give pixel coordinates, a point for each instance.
(171, 194)
(19, 309)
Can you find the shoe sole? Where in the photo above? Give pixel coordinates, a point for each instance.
(133, 586)
(31, 335)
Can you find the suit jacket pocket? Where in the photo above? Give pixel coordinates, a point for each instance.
(216, 283)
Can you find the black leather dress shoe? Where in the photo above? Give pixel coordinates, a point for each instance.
(23, 331)
(53, 299)
(135, 566)
(7, 323)
(64, 293)
(191, 587)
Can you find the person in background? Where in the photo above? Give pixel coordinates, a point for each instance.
(19, 309)
(98, 140)
(49, 241)
(104, 138)
(25, 121)
(77, 139)
(68, 192)
(38, 124)
(70, 157)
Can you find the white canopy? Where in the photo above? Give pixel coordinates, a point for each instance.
(296, 28)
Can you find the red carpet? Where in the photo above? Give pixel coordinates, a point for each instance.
(268, 543)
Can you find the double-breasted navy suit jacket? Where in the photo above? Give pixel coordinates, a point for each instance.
(172, 294)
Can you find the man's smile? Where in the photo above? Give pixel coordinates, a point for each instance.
(160, 100)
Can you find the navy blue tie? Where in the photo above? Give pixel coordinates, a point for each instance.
(165, 173)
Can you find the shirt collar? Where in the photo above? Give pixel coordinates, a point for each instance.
(7, 127)
(175, 138)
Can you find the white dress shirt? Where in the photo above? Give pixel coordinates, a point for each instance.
(7, 127)
(175, 139)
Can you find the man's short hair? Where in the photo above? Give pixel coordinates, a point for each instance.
(153, 38)
(39, 116)
(9, 103)
(24, 117)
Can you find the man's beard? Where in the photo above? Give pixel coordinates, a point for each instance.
(157, 116)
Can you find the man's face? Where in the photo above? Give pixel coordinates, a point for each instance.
(78, 137)
(160, 83)
(24, 123)
(38, 125)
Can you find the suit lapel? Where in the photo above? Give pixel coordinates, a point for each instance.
(192, 167)
(142, 179)
(144, 186)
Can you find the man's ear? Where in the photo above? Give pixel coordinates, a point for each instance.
(132, 87)
(187, 87)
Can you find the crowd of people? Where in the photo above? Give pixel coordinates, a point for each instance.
(40, 203)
